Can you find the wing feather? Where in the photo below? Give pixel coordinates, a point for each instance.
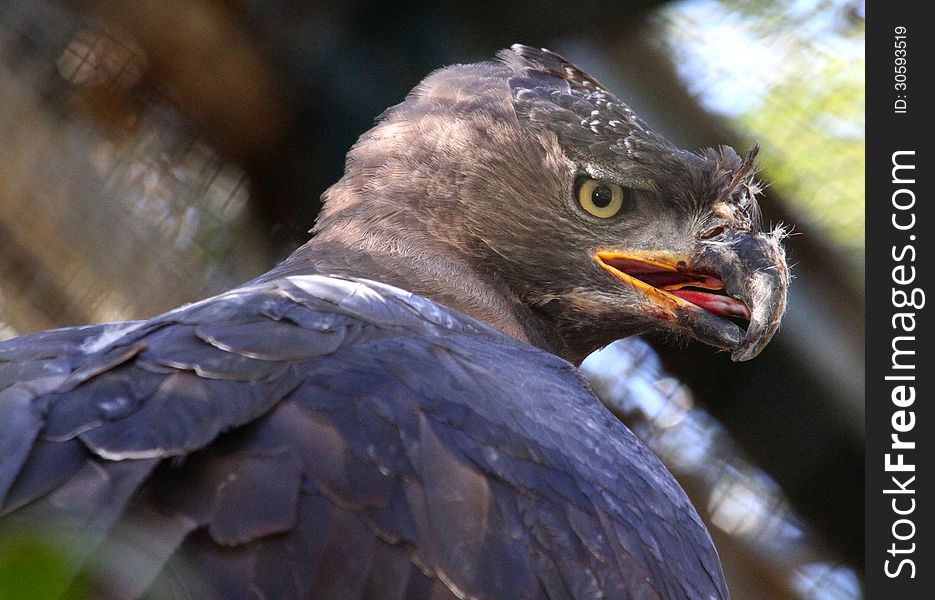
(332, 438)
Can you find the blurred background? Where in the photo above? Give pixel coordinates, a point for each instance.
(153, 153)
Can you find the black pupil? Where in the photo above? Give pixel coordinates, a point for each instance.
(601, 197)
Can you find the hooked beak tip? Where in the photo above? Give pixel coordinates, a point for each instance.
(764, 289)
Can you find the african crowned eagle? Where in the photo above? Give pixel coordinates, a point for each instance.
(393, 411)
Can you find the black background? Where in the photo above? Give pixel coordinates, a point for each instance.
(886, 133)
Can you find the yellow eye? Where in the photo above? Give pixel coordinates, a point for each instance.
(599, 198)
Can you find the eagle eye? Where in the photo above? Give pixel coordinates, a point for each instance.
(601, 199)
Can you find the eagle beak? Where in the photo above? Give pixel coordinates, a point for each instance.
(753, 269)
(738, 278)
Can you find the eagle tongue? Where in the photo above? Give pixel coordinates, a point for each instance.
(718, 304)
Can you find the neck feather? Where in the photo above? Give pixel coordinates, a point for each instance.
(421, 266)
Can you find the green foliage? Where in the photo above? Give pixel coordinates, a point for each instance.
(790, 75)
(36, 566)
(812, 128)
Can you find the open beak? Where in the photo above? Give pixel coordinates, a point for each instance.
(731, 293)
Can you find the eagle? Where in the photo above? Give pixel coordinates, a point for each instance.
(394, 411)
